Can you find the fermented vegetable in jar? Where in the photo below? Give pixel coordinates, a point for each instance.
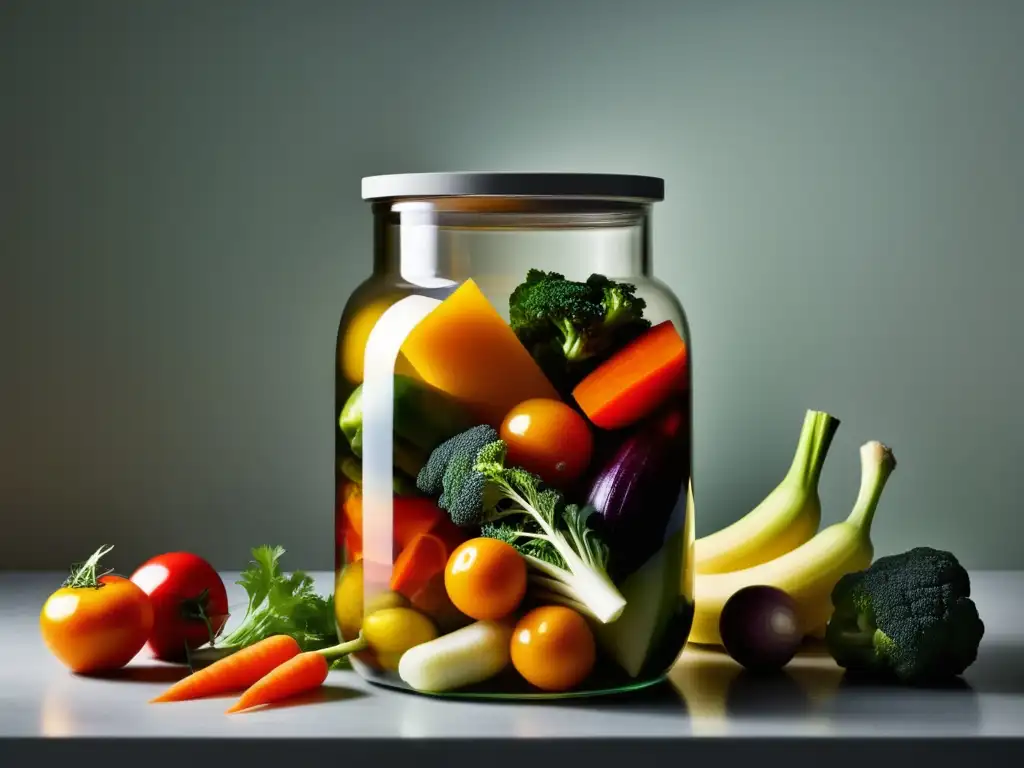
(513, 438)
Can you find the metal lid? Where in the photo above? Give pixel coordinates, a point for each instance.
(607, 185)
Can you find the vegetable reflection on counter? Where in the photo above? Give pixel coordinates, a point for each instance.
(718, 692)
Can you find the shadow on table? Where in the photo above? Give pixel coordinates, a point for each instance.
(999, 669)
(141, 674)
(325, 694)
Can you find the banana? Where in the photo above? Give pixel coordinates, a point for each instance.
(809, 572)
(788, 517)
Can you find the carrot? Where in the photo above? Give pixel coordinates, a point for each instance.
(634, 381)
(353, 545)
(414, 516)
(297, 675)
(424, 556)
(450, 534)
(352, 507)
(235, 672)
(411, 516)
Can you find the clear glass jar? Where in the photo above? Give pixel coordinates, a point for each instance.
(464, 574)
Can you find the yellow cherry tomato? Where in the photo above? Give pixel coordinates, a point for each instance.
(485, 578)
(553, 648)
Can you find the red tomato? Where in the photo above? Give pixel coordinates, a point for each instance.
(96, 628)
(548, 438)
(183, 588)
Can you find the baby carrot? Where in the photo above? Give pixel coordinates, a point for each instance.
(296, 675)
(235, 672)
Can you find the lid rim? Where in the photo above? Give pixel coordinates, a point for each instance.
(508, 184)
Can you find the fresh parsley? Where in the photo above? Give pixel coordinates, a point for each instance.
(281, 604)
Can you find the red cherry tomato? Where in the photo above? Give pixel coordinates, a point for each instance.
(189, 602)
(548, 438)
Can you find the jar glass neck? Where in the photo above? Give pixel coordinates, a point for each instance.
(432, 243)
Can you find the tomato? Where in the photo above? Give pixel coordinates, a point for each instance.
(485, 578)
(548, 438)
(186, 593)
(96, 624)
(553, 648)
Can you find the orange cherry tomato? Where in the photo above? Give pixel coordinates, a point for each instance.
(553, 648)
(96, 624)
(548, 438)
(485, 578)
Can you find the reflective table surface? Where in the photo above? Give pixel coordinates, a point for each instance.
(707, 695)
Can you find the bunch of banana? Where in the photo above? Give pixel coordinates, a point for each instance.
(778, 543)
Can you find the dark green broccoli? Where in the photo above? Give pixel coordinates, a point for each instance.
(908, 616)
(567, 559)
(569, 326)
(447, 459)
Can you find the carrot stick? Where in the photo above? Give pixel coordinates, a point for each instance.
(423, 557)
(297, 675)
(634, 381)
(235, 672)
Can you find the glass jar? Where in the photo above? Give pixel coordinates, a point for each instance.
(514, 509)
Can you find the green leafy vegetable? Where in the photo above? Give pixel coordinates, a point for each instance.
(280, 604)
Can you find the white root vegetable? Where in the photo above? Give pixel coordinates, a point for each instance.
(466, 656)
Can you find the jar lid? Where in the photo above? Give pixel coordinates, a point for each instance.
(605, 185)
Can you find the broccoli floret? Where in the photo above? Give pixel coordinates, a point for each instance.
(567, 558)
(459, 450)
(908, 616)
(569, 326)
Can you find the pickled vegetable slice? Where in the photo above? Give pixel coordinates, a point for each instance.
(465, 349)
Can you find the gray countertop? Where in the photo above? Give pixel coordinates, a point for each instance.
(709, 695)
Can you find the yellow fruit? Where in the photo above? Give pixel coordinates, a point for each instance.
(809, 572)
(788, 517)
(393, 631)
(352, 350)
(348, 601)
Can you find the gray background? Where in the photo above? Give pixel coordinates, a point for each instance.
(180, 226)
